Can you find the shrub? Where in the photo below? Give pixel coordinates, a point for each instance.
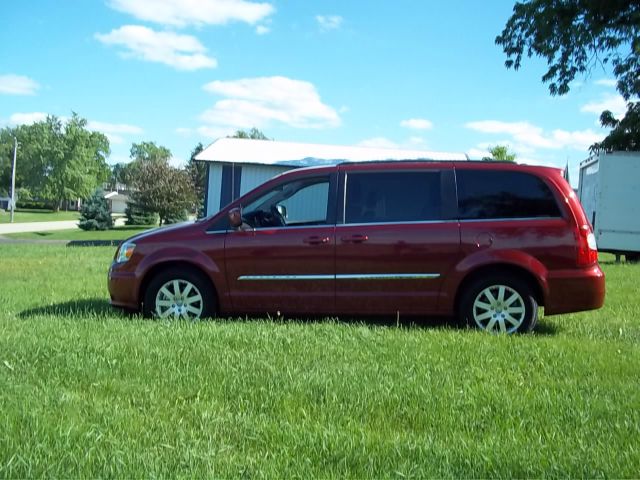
(136, 215)
(95, 214)
(178, 217)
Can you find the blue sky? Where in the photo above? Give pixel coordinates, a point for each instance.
(416, 74)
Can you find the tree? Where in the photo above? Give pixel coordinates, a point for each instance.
(198, 173)
(158, 187)
(119, 173)
(253, 134)
(59, 161)
(6, 155)
(574, 36)
(95, 214)
(501, 153)
(141, 153)
(149, 152)
(135, 215)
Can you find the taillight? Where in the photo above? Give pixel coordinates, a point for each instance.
(587, 248)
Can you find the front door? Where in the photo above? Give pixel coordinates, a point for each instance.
(397, 240)
(283, 259)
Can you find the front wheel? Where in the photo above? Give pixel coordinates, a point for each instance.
(179, 295)
(499, 304)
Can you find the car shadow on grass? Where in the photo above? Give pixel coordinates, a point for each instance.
(100, 307)
(88, 307)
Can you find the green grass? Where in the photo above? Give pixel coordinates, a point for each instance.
(25, 216)
(117, 233)
(87, 392)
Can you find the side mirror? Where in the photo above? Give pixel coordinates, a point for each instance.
(282, 210)
(235, 217)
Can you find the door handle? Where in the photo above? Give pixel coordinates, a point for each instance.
(355, 238)
(316, 240)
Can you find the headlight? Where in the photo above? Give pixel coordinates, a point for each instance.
(125, 252)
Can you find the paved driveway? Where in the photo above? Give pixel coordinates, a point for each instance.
(37, 226)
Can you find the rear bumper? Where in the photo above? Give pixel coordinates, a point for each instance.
(575, 290)
(123, 290)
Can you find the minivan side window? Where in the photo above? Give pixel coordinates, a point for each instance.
(491, 194)
(383, 197)
(296, 203)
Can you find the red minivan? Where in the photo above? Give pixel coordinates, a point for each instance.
(486, 242)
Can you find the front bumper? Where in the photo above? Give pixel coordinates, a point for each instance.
(123, 289)
(575, 290)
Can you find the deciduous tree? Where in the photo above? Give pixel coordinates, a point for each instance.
(158, 187)
(501, 153)
(574, 37)
(198, 173)
(59, 161)
(253, 134)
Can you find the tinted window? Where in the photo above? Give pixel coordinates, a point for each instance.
(503, 194)
(392, 197)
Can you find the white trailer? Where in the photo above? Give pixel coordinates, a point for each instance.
(609, 191)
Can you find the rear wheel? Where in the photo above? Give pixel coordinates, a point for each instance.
(180, 294)
(499, 304)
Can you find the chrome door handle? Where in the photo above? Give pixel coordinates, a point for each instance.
(355, 238)
(316, 240)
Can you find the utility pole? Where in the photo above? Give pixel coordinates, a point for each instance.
(13, 178)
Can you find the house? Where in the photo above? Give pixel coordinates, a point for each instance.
(117, 201)
(238, 165)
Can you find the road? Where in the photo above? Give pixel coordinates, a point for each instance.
(37, 226)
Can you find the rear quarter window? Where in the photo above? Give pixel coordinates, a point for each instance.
(493, 194)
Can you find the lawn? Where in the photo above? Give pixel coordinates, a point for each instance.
(88, 392)
(25, 216)
(117, 233)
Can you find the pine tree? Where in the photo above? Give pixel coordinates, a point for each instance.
(138, 216)
(95, 214)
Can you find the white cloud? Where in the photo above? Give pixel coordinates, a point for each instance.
(177, 162)
(262, 101)
(183, 132)
(329, 22)
(181, 13)
(212, 131)
(114, 131)
(606, 82)
(378, 142)
(18, 85)
(531, 136)
(611, 102)
(27, 118)
(113, 127)
(416, 141)
(183, 52)
(416, 124)
(262, 30)
(478, 153)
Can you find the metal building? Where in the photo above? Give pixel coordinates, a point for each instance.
(237, 165)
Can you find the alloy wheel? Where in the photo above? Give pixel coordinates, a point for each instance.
(499, 309)
(179, 299)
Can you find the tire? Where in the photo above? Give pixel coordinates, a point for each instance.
(632, 257)
(499, 304)
(179, 294)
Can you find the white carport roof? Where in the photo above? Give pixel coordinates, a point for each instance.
(268, 152)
